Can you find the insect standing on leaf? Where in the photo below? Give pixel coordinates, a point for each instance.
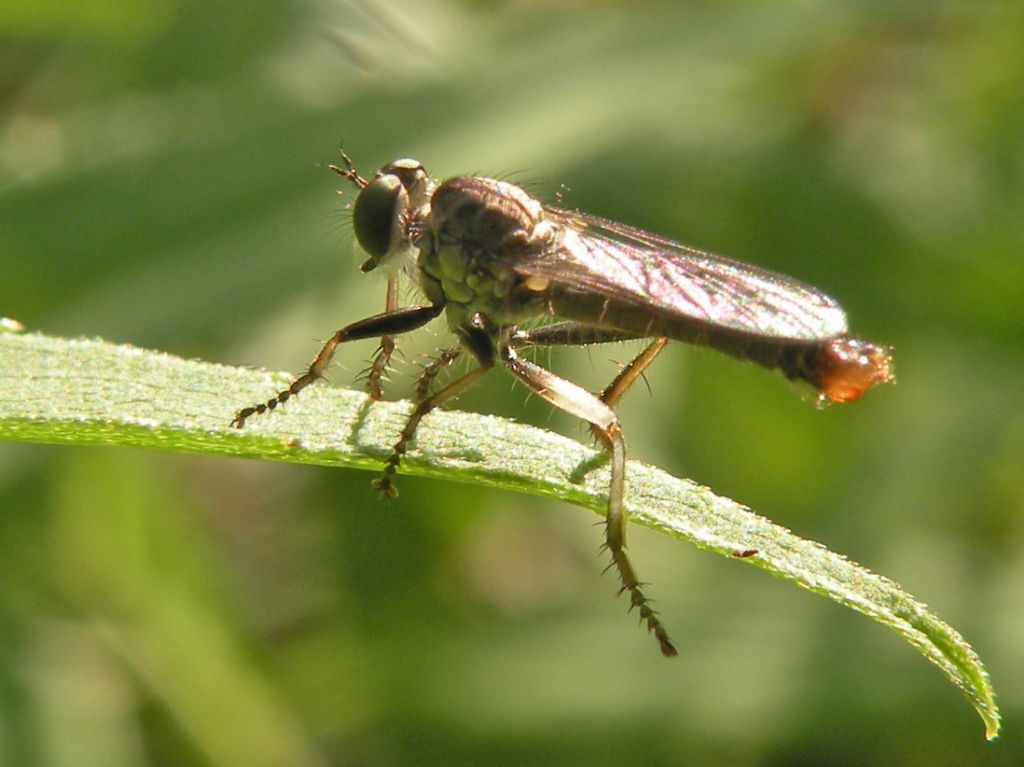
(490, 257)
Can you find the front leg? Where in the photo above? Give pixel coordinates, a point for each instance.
(379, 366)
(581, 403)
(388, 323)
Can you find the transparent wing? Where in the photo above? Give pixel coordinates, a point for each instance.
(631, 267)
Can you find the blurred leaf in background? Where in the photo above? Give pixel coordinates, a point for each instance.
(162, 184)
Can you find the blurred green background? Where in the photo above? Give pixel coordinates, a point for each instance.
(162, 184)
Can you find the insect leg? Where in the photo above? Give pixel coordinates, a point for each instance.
(399, 321)
(627, 376)
(387, 345)
(581, 403)
(479, 343)
(574, 333)
(581, 334)
(570, 334)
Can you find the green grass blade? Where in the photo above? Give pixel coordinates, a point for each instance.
(83, 392)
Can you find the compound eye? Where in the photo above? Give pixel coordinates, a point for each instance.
(375, 216)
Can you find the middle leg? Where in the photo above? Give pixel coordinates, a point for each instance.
(479, 343)
(424, 404)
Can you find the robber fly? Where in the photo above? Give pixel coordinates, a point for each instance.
(490, 257)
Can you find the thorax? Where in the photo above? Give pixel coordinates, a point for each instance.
(474, 242)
